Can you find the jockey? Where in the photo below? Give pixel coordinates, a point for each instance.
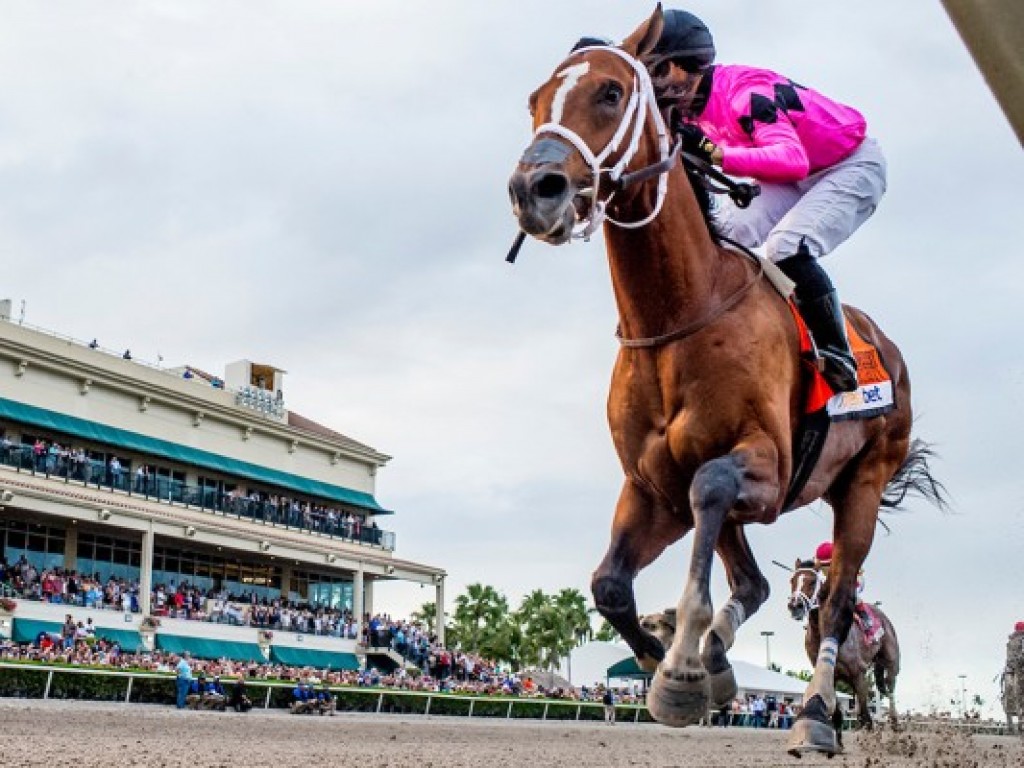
(821, 176)
(822, 561)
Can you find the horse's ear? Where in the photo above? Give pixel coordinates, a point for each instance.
(646, 36)
(797, 566)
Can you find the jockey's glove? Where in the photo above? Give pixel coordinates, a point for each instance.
(696, 142)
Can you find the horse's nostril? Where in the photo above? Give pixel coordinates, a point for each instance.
(551, 186)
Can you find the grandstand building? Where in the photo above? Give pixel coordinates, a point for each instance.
(166, 477)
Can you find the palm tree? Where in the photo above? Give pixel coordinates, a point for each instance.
(572, 608)
(607, 633)
(479, 612)
(427, 614)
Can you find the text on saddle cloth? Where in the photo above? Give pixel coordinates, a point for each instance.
(874, 396)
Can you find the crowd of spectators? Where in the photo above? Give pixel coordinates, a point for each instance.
(59, 586)
(75, 463)
(66, 587)
(756, 711)
(86, 649)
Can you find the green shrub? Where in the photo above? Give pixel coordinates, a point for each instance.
(559, 711)
(147, 690)
(446, 705)
(356, 699)
(529, 709)
(401, 704)
(69, 685)
(483, 707)
(29, 681)
(22, 683)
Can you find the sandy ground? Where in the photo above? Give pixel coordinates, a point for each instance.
(88, 735)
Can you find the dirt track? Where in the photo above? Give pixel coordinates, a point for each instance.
(88, 735)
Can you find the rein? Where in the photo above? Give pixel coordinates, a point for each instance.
(701, 323)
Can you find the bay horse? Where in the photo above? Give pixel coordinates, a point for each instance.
(856, 655)
(707, 389)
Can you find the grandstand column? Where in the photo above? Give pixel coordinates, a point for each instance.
(71, 548)
(368, 596)
(286, 581)
(357, 601)
(146, 571)
(439, 602)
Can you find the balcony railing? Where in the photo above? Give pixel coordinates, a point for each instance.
(99, 474)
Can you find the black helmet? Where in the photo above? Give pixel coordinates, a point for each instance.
(686, 40)
(588, 41)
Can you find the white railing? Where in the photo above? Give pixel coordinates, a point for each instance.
(381, 694)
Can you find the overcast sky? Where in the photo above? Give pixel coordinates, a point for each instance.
(321, 186)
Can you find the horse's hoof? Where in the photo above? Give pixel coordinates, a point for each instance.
(723, 688)
(813, 736)
(679, 703)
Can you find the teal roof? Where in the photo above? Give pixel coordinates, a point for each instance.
(313, 657)
(129, 640)
(122, 438)
(27, 630)
(628, 668)
(207, 648)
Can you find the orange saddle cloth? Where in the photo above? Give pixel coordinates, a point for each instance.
(874, 395)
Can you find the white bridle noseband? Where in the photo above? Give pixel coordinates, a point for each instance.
(642, 103)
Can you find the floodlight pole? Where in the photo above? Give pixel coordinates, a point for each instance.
(767, 635)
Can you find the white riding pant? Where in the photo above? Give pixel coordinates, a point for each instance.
(821, 211)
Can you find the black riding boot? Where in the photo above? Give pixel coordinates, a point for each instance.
(819, 305)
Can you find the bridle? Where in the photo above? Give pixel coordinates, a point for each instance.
(798, 596)
(641, 105)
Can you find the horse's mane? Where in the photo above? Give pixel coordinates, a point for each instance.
(806, 564)
(705, 200)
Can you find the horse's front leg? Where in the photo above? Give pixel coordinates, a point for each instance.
(749, 592)
(641, 530)
(745, 480)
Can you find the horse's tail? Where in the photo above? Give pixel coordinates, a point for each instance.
(915, 476)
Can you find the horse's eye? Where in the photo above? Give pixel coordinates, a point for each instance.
(612, 94)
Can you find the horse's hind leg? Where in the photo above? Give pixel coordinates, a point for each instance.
(745, 480)
(749, 592)
(855, 501)
(640, 532)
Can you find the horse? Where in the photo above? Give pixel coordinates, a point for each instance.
(856, 655)
(707, 389)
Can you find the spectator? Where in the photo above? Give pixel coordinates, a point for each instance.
(94, 344)
(608, 700)
(325, 699)
(127, 354)
(239, 700)
(183, 673)
(303, 700)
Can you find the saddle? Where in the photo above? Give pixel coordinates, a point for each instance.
(869, 622)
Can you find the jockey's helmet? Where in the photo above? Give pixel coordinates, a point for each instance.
(685, 40)
(588, 41)
(823, 554)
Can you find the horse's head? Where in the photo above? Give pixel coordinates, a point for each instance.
(804, 586)
(596, 115)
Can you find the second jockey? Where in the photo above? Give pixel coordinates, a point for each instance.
(821, 175)
(822, 561)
